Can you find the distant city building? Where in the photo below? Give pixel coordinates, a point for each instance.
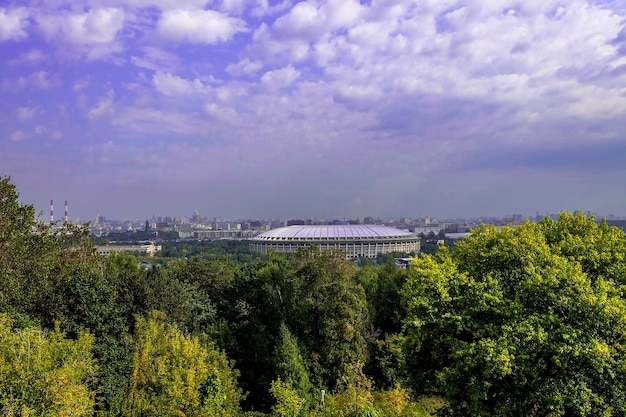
(149, 249)
(223, 234)
(357, 241)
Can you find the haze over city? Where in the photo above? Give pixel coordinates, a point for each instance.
(328, 109)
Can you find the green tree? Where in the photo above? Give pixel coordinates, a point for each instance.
(508, 324)
(290, 366)
(317, 297)
(44, 374)
(330, 314)
(174, 373)
(382, 286)
(28, 252)
(289, 403)
(600, 249)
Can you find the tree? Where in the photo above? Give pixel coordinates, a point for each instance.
(288, 401)
(382, 286)
(174, 373)
(316, 296)
(600, 249)
(330, 314)
(44, 374)
(511, 324)
(28, 252)
(290, 366)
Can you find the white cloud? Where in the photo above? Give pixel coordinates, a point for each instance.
(479, 50)
(245, 67)
(13, 24)
(34, 56)
(199, 26)
(40, 79)
(172, 85)
(26, 113)
(310, 20)
(161, 4)
(236, 7)
(156, 59)
(221, 112)
(263, 8)
(156, 122)
(280, 78)
(104, 108)
(304, 19)
(80, 84)
(274, 49)
(17, 136)
(97, 26)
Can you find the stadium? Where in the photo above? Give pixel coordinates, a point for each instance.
(356, 241)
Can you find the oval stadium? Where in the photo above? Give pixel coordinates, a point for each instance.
(356, 241)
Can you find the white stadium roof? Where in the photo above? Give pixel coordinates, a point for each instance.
(333, 232)
(355, 240)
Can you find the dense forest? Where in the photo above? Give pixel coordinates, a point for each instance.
(520, 321)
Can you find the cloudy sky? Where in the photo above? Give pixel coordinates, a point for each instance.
(328, 109)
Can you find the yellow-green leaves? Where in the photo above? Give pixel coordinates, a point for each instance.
(288, 401)
(526, 320)
(44, 374)
(174, 373)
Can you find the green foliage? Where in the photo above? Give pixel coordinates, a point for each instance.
(330, 315)
(300, 322)
(353, 396)
(382, 286)
(28, 252)
(382, 289)
(91, 301)
(398, 402)
(288, 401)
(387, 362)
(174, 373)
(290, 365)
(315, 294)
(600, 249)
(520, 321)
(235, 250)
(44, 374)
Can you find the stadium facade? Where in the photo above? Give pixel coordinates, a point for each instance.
(356, 241)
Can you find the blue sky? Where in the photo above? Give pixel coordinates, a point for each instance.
(341, 108)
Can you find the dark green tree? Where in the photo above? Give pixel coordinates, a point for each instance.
(330, 314)
(290, 366)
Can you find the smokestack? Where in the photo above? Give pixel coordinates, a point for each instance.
(51, 212)
(66, 217)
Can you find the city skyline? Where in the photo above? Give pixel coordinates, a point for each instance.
(57, 214)
(303, 109)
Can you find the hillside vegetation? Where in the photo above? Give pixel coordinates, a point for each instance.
(524, 321)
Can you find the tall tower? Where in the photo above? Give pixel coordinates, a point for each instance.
(51, 212)
(66, 218)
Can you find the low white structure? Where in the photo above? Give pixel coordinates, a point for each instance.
(149, 249)
(357, 241)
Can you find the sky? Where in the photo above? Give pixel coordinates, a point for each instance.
(314, 109)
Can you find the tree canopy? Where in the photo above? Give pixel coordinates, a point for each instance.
(526, 321)
(518, 321)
